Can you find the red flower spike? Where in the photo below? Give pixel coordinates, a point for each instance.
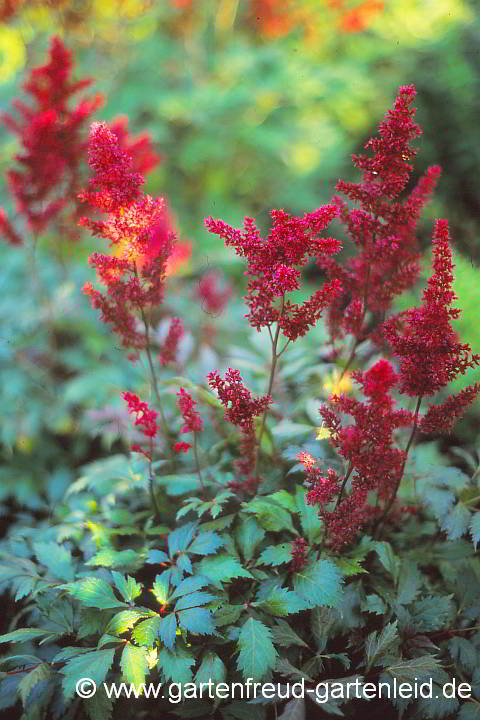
(52, 143)
(192, 419)
(423, 339)
(175, 333)
(299, 554)
(146, 419)
(213, 297)
(273, 267)
(139, 147)
(179, 447)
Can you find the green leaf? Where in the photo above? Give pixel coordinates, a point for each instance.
(319, 583)
(206, 543)
(280, 602)
(475, 528)
(285, 430)
(128, 588)
(156, 557)
(100, 706)
(350, 566)
(387, 557)
(249, 535)
(56, 558)
(24, 634)
(285, 668)
(134, 664)
(195, 599)
(378, 643)
(196, 620)
(179, 484)
(147, 631)
(93, 665)
(124, 620)
(270, 515)
(211, 668)
(228, 614)
(222, 568)
(418, 668)
(456, 522)
(257, 654)
(176, 666)
(189, 585)
(93, 592)
(293, 710)
(276, 555)
(40, 674)
(167, 630)
(409, 582)
(108, 557)
(285, 636)
(432, 613)
(312, 526)
(180, 539)
(374, 604)
(463, 652)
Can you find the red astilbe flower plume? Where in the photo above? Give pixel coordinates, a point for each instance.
(383, 228)
(137, 228)
(139, 148)
(214, 297)
(146, 419)
(51, 137)
(186, 405)
(299, 554)
(273, 267)
(240, 409)
(374, 463)
(423, 338)
(168, 352)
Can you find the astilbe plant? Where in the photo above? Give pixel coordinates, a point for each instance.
(52, 137)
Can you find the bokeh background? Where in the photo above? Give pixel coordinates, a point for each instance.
(252, 105)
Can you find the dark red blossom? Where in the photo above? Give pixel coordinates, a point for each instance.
(140, 235)
(423, 339)
(186, 404)
(213, 296)
(442, 418)
(139, 147)
(299, 554)
(383, 228)
(240, 409)
(146, 420)
(175, 333)
(51, 136)
(273, 267)
(181, 446)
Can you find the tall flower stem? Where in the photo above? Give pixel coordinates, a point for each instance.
(273, 365)
(197, 462)
(389, 505)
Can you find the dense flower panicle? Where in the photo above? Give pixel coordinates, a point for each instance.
(273, 267)
(299, 554)
(181, 446)
(213, 296)
(168, 353)
(423, 338)
(139, 231)
(51, 138)
(192, 419)
(146, 420)
(374, 463)
(240, 409)
(383, 228)
(139, 148)
(442, 418)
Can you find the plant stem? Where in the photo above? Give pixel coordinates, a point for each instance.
(400, 474)
(156, 509)
(345, 480)
(197, 463)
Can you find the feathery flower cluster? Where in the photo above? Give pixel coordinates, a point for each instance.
(423, 338)
(146, 419)
(138, 224)
(186, 404)
(383, 228)
(139, 148)
(52, 142)
(213, 297)
(240, 409)
(374, 463)
(299, 554)
(181, 446)
(273, 267)
(175, 333)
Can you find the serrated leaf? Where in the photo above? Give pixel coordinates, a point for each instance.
(180, 539)
(176, 666)
(378, 643)
(373, 604)
(41, 673)
(293, 710)
(24, 634)
(432, 613)
(270, 515)
(128, 587)
(285, 636)
(155, 557)
(409, 582)
(100, 706)
(206, 543)
(350, 566)
(280, 602)
(108, 557)
(456, 522)
(228, 614)
(124, 620)
(167, 630)
(312, 526)
(257, 654)
(93, 592)
(56, 558)
(211, 668)
(195, 599)
(147, 631)
(418, 668)
(134, 664)
(93, 665)
(319, 583)
(222, 568)
(463, 652)
(197, 620)
(249, 535)
(189, 585)
(284, 667)
(475, 528)
(387, 557)
(276, 555)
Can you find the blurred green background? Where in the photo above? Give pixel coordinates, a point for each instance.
(254, 105)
